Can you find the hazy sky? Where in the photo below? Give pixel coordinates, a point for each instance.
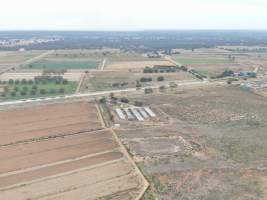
(132, 14)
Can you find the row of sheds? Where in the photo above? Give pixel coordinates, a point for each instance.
(139, 113)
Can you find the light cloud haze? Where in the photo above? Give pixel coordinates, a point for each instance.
(132, 14)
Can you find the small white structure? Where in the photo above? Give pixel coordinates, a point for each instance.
(137, 114)
(143, 113)
(128, 113)
(149, 112)
(120, 114)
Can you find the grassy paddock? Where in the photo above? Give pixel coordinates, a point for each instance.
(64, 64)
(190, 60)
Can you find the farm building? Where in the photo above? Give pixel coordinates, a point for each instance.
(134, 113)
(120, 114)
(143, 113)
(137, 114)
(149, 112)
(129, 114)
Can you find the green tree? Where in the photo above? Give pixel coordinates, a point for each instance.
(43, 91)
(33, 92)
(25, 88)
(61, 91)
(160, 78)
(103, 100)
(30, 82)
(52, 91)
(34, 87)
(124, 100)
(24, 81)
(23, 93)
(16, 88)
(138, 103)
(17, 82)
(162, 88)
(138, 85)
(148, 91)
(11, 81)
(65, 81)
(6, 88)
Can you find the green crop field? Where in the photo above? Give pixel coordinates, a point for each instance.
(201, 60)
(64, 64)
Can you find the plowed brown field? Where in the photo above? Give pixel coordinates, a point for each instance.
(56, 151)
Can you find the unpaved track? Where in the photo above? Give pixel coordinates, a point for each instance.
(103, 64)
(144, 183)
(82, 79)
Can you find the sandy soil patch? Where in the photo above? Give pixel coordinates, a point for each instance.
(135, 65)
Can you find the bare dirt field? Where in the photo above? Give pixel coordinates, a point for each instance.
(61, 151)
(135, 65)
(213, 146)
(262, 92)
(71, 75)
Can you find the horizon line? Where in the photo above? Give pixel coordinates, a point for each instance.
(129, 30)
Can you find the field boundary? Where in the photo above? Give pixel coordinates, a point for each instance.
(82, 79)
(61, 174)
(125, 152)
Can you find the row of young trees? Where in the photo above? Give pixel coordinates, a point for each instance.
(33, 92)
(149, 79)
(164, 69)
(37, 80)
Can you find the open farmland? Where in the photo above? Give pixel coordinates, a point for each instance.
(71, 75)
(16, 57)
(32, 89)
(105, 80)
(214, 63)
(11, 59)
(62, 151)
(69, 59)
(120, 56)
(135, 65)
(202, 59)
(213, 145)
(64, 64)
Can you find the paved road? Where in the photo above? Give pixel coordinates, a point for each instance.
(105, 93)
